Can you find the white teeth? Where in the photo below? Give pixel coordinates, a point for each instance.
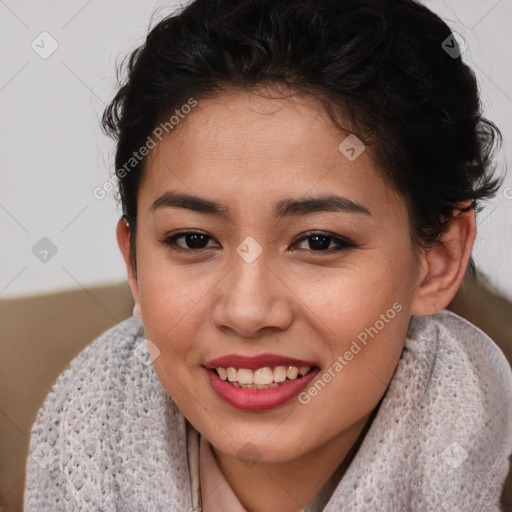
(279, 373)
(262, 377)
(292, 372)
(245, 376)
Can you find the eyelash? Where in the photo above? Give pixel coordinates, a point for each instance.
(343, 243)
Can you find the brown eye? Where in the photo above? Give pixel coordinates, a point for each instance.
(321, 242)
(192, 241)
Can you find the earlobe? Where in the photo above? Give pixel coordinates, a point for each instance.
(444, 265)
(123, 240)
(136, 310)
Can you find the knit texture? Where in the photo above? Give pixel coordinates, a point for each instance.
(108, 437)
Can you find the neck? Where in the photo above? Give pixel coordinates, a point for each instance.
(290, 486)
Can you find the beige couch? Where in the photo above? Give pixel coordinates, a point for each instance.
(41, 334)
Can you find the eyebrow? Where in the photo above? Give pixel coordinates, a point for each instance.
(283, 208)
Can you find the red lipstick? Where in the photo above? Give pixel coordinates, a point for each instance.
(258, 399)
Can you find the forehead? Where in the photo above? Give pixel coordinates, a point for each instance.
(245, 149)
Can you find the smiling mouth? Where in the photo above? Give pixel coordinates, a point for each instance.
(262, 378)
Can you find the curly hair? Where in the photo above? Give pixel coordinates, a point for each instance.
(378, 67)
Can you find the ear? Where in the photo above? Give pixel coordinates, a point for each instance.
(444, 265)
(123, 240)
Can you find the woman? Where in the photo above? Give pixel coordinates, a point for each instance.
(299, 182)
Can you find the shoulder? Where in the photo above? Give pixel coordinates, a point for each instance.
(107, 414)
(465, 356)
(466, 410)
(99, 369)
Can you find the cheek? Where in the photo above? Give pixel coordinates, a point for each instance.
(349, 299)
(362, 316)
(167, 291)
(364, 356)
(173, 305)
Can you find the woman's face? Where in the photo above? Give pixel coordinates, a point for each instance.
(257, 281)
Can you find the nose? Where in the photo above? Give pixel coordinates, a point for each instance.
(254, 299)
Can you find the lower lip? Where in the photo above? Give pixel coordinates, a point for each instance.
(259, 399)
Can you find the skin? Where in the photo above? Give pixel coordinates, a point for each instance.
(248, 152)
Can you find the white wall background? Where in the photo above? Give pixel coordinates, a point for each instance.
(53, 153)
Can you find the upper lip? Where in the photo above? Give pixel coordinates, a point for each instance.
(254, 362)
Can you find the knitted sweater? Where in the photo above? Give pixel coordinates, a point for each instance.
(108, 437)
